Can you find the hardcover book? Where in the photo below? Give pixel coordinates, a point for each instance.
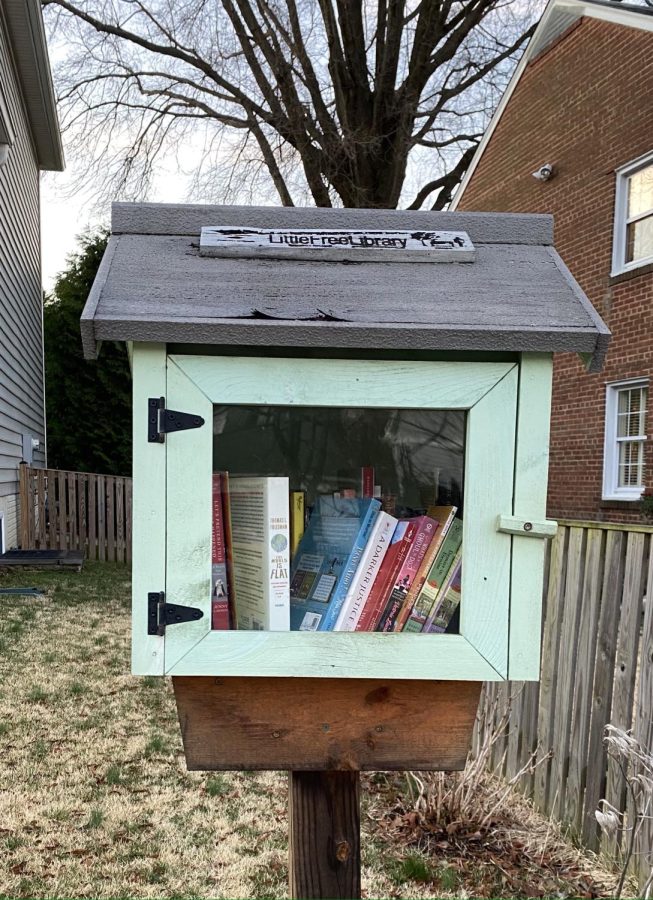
(326, 560)
(371, 560)
(426, 530)
(219, 585)
(396, 553)
(260, 546)
(436, 577)
(444, 516)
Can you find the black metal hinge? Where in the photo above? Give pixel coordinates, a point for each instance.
(162, 421)
(160, 614)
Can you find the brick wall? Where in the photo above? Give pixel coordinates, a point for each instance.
(584, 105)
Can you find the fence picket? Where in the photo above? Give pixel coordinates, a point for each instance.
(625, 670)
(24, 481)
(128, 519)
(602, 687)
(40, 533)
(63, 513)
(81, 509)
(111, 524)
(120, 519)
(584, 678)
(51, 488)
(643, 726)
(92, 517)
(72, 511)
(101, 518)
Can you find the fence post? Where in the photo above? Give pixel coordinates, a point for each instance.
(25, 498)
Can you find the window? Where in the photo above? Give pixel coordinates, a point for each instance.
(625, 437)
(633, 220)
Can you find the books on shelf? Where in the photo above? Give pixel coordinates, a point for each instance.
(260, 543)
(400, 586)
(436, 577)
(327, 559)
(348, 566)
(443, 516)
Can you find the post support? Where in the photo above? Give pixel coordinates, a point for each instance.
(324, 819)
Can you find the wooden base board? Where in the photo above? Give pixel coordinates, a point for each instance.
(325, 724)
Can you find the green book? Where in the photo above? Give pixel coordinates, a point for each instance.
(436, 577)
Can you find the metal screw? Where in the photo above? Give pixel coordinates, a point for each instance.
(528, 526)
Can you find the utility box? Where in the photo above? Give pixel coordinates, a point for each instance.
(315, 344)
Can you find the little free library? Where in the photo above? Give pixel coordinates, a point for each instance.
(341, 426)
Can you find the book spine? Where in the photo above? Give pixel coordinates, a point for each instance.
(278, 547)
(447, 600)
(425, 567)
(219, 593)
(367, 481)
(368, 567)
(439, 570)
(373, 609)
(426, 528)
(228, 547)
(349, 570)
(297, 519)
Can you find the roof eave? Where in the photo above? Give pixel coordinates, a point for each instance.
(26, 33)
(605, 11)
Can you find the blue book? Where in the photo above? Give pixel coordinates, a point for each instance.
(326, 560)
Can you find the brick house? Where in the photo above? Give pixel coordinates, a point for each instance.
(581, 101)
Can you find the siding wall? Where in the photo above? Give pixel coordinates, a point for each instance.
(21, 331)
(580, 107)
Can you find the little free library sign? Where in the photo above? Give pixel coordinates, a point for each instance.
(337, 244)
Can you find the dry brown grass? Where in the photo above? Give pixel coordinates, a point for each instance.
(95, 800)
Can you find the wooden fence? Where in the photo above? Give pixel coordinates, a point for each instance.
(597, 668)
(76, 511)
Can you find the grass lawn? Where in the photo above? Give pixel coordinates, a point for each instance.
(95, 800)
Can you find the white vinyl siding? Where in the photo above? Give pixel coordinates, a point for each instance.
(625, 439)
(21, 328)
(633, 218)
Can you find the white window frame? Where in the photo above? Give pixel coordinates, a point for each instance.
(621, 220)
(611, 489)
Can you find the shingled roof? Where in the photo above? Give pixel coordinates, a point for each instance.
(517, 295)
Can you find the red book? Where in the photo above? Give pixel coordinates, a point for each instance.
(219, 584)
(387, 574)
(367, 481)
(399, 588)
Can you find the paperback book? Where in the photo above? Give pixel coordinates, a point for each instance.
(436, 577)
(327, 559)
(448, 599)
(426, 529)
(368, 567)
(219, 584)
(260, 543)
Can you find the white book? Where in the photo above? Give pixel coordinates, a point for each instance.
(368, 567)
(260, 542)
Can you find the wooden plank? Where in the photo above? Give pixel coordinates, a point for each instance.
(327, 654)
(149, 508)
(120, 519)
(643, 727)
(72, 511)
(625, 669)
(584, 679)
(633, 527)
(63, 511)
(531, 476)
(566, 671)
(92, 517)
(341, 382)
(336, 723)
(41, 525)
(189, 470)
(25, 500)
(484, 613)
(110, 483)
(529, 737)
(557, 572)
(601, 700)
(128, 520)
(51, 487)
(513, 744)
(324, 850)
(101, 518)
(81, 511)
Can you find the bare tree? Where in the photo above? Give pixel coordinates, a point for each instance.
(336, 100)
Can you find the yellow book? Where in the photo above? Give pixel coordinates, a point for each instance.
(297, 515)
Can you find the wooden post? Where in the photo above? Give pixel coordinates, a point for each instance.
(25, 481)
(324, 835)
